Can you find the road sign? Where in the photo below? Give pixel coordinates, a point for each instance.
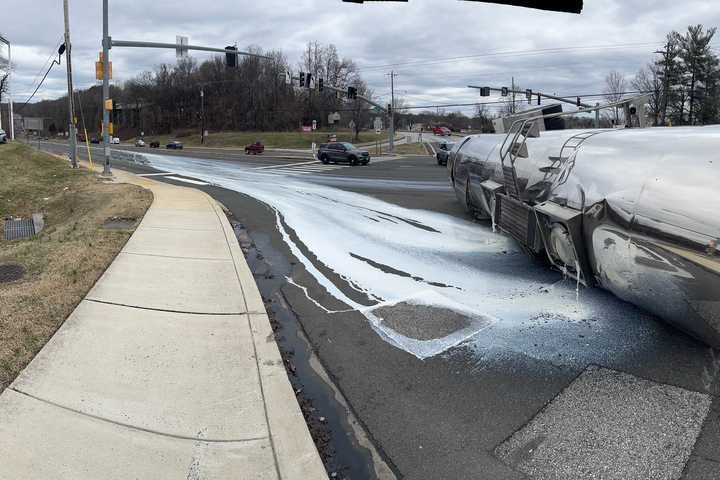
(314, 125)
(378, 124)
(181, 44)
(307, 128)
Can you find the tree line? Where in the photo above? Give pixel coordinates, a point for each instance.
(682, 83)
(254, 95)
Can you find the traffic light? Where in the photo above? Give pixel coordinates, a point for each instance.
(302, 79)
(504, 91)
(351, 93)
(307, 80)
(578, 101)
(320, 84)
(230, 58)
(484, 91)
(389, 109)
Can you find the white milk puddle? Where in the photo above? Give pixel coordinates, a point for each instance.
(393, 254)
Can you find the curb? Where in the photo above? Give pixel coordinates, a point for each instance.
(296, 455)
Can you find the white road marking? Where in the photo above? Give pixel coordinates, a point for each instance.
(154, 174)
(187, 180)
(285, 165)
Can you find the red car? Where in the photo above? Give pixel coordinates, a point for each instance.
(441, 131)
(255, 148)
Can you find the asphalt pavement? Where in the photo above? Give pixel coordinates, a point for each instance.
(540, 389)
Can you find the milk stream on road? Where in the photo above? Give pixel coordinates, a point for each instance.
(393, 254)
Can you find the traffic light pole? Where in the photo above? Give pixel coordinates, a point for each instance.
(106, 90)
(392, 112)
(71, 110)
(108, 43)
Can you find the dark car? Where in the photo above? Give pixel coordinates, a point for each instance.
(255, 148)
(443, 152)
(154, 144)
(95, 139)
(174, 145)
(342, 152)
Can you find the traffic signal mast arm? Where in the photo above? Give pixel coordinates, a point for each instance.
(545, 95)
(174, 46)
(365, 99)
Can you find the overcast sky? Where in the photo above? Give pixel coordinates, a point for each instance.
(422, 38)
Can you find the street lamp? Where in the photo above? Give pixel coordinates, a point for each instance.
(10, 102)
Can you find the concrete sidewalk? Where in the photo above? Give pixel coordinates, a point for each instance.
(167, 370)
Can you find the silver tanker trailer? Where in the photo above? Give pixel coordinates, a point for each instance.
(635, 211)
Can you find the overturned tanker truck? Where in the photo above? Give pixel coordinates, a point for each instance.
(635, 211)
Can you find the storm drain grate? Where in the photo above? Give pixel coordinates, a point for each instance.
(19, 229)
(11, 272)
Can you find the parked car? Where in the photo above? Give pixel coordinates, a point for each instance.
(342, 152)
(114, 140)
(255, 148)
(95, 139)
(3, 136)
(174, 145)
(443, 152)
(139, 142)
(154, 144)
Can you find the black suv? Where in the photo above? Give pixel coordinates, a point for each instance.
(342, 152)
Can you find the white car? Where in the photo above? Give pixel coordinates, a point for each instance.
(3, 136)
(140, 142)
(115, 141)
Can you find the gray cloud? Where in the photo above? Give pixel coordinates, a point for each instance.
(373, 34)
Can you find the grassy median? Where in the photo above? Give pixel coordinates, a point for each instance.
(63, 262)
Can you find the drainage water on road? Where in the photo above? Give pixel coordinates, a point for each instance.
(327, 419)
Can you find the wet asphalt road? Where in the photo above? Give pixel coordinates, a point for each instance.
(445, 416)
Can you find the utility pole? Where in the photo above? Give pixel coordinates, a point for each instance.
(391, 129)
(202, 116)
(106, 89)
(666, 80)
(512, 81)
(71, 109)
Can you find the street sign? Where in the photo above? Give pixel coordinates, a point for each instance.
(351, 125)
(378, 124)
(181, 44)
(314, 125)
(307, 128)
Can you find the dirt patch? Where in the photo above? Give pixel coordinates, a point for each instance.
(64, 261)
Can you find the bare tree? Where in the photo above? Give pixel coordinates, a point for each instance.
(648, 80)
(614, 87)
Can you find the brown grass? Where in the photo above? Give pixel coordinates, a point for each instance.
(411, 149)
(63, 262)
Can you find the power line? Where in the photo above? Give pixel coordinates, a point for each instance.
(40, 84)
(42, 69)
(512, 53)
